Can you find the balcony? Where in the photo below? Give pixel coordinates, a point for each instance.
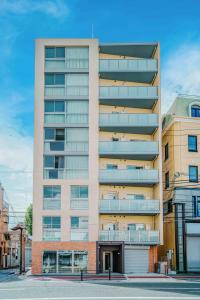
(72, 65)
(71, 120)
(129, 207)
(62, 92)
(136, 70)
(50, 234)
(128, 123)
(149, 237)
(60, 147)
(129, 177)
(129, 96)
(79, 234)
(138, 150)
(65, 174)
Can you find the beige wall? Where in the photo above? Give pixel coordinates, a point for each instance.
(92, 182)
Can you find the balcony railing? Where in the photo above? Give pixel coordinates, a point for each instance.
(65, 174)
(69, 119)
(129, 206)
(68, 64)
(62, 91)
(79, 204)
(131, 236)
(50, 234)
(141, 177)
(79, 234)
(128, 92)
(128, 65)
(51, 203)
(129, 149)
(68, 147)
(133, 123)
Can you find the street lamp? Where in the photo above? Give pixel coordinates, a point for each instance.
(21, 228)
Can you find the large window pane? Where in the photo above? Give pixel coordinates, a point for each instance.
(77, 79)
(49, 133)
(192, 143)
(64, 261)
(49, 262)
(49, 52)
(49, 106)
(49, 79)
(74, 222)
(77, 135)
(59, 78)
(60, 52)
(80, 261)
(193, 173)
(59, 106)
(48, 161)
(77, 107)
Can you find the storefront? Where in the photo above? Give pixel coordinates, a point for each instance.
(64, 261)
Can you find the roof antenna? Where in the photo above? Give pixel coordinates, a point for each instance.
(92, 31)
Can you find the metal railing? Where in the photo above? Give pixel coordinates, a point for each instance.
(132, 92)
(79, 234)
(62, 91)
(120, 65)
(70, 119)
(129, 176)
(51, 203)
(132, 236)
(65, 174)
(79, 204)
(69, 147)
(129, 205)
(132, 120)
(50, 234)
(128, 147)
(68, 64)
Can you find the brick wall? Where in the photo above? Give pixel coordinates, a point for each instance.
(39, 247)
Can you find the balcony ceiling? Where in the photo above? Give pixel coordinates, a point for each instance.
(129, 129)
(131, 156)
(133, 50)
(136, 103)
(141, 76)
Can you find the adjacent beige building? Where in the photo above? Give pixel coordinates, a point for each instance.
(97, 157)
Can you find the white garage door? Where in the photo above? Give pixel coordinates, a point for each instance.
(193, 254)
(136, 260)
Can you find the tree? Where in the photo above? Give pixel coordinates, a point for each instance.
(29, 219)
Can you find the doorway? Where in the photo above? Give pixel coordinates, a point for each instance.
(107, 261)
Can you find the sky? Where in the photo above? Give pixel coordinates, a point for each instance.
(175, 24)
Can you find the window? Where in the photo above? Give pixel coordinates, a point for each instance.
(166, 151)
(54, 106)
(65, 261)
(51, 197)
(51, 228)
(167, 180)
(196, 205)
(111, 167)
(193, 173)
(54, 79)
(79, 222)
(192, 143)
(79, 228)
(136, 226)
(56, 162)
(167, 207)
(54, 52)
(195, 111)
(79, 191)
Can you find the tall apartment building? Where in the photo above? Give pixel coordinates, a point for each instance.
(97, 157)
(181, 163)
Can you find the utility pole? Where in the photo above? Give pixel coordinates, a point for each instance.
(21, 263)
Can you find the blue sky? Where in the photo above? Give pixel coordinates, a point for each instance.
(175, 24)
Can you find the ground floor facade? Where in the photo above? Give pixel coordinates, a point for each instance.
(94, 257)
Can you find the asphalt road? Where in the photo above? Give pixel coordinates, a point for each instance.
(31, 288)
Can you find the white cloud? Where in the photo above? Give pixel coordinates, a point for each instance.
(181, 74)
(54, 8)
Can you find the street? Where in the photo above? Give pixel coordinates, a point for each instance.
(43, 288)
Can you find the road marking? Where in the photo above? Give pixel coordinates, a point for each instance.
(13, 289)
(106, 298)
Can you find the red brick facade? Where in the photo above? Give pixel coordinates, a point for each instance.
(39, 247)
